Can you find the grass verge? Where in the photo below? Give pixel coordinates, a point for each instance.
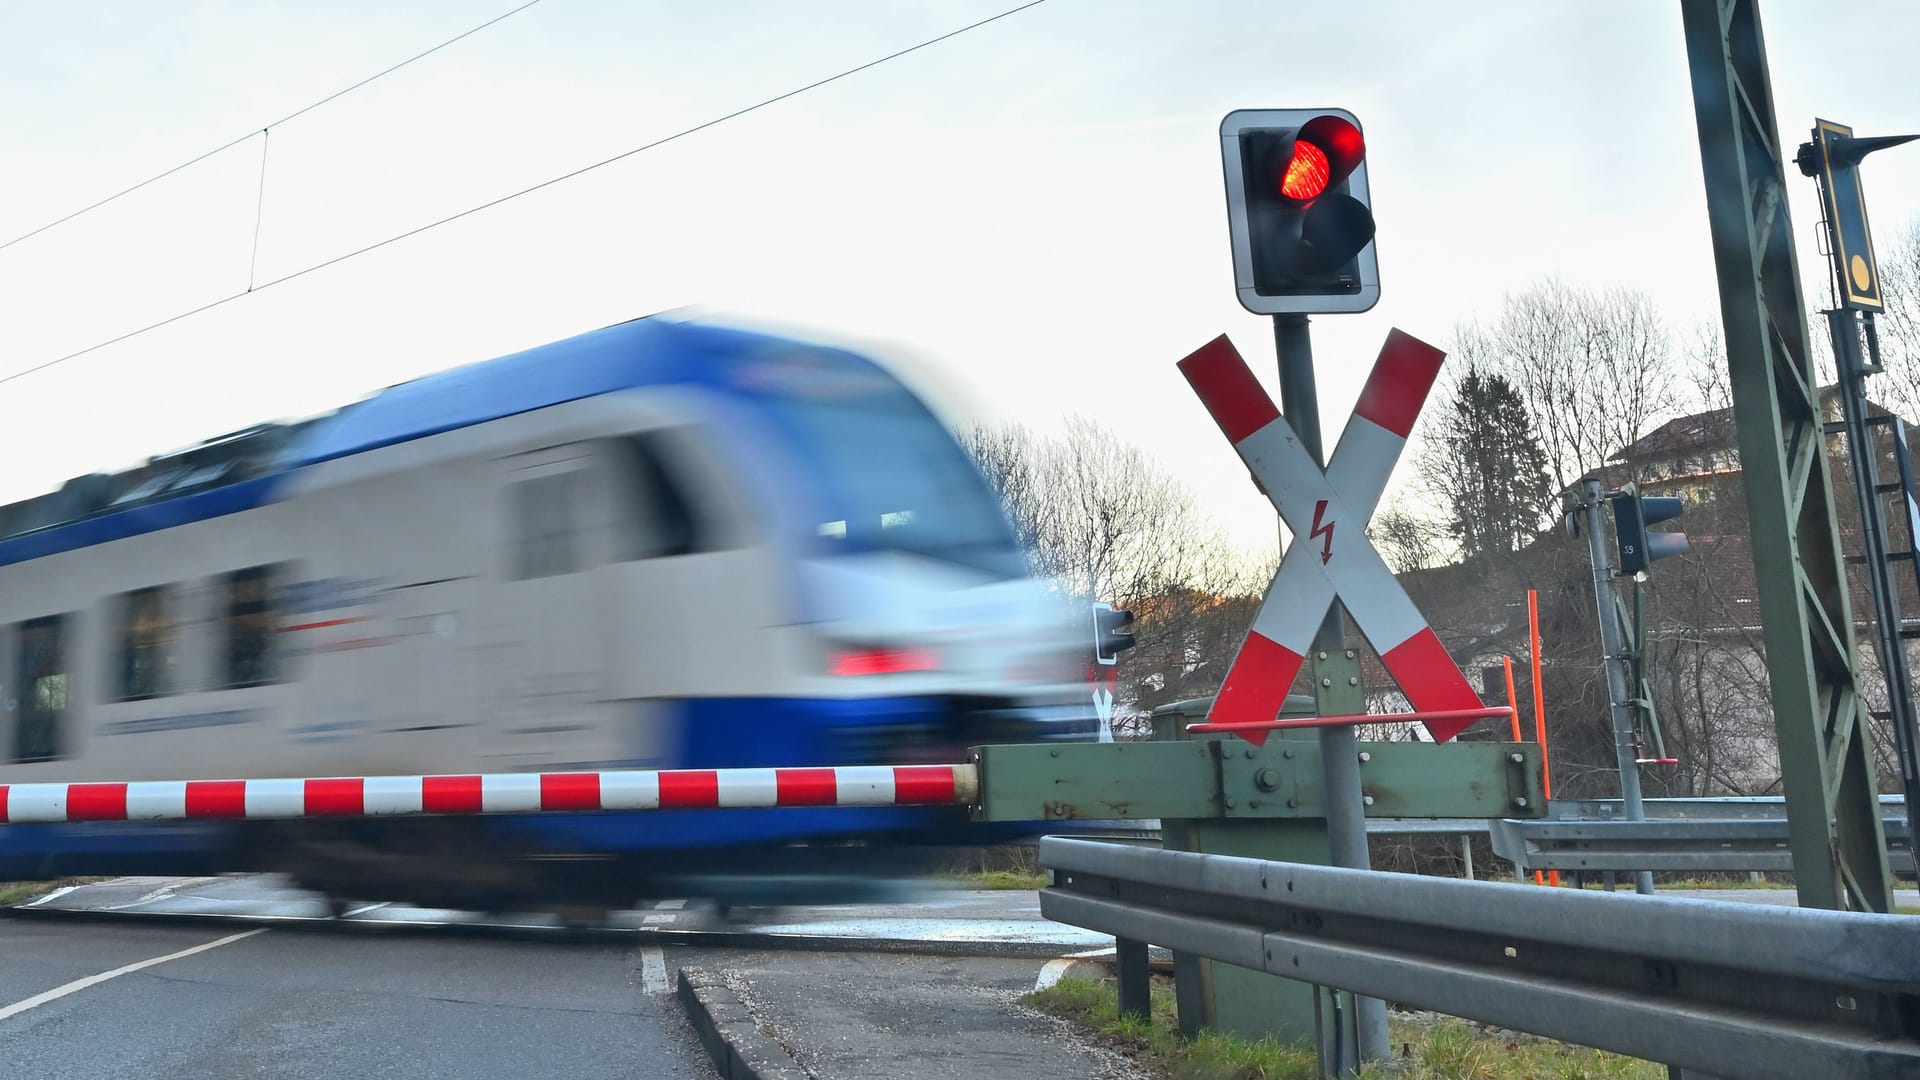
(1714, 883)
(19, 892)
(1426, 1048)
(1001, 879)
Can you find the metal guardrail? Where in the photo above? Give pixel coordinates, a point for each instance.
(1721, 989)
(1683, 845)
(1707, 808)
(1688, 835)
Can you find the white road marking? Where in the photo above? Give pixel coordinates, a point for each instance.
(78, 985)
(362, 910)
(657, 918)
(161, 893)
(670, 905)
(54, 895)
(653, 970)
(1055, 970)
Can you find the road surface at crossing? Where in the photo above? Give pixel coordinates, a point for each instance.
(244, 976)
(141, 999)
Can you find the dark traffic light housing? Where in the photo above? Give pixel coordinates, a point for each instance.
(1632, 513)
(1110, 633)
(1299, 210)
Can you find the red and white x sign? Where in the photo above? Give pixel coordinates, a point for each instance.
(1330, 555)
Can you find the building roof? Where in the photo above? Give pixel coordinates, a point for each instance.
(1711, 428)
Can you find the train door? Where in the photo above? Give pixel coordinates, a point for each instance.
(551, 625)
(428, 675)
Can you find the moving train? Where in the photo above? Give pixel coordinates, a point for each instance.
(661, 544)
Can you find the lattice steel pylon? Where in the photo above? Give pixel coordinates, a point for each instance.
(1820, 719)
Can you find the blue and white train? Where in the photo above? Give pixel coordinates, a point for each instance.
(657, 545)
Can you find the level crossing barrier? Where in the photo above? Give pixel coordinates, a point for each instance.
(1713, 989)
(493, 793)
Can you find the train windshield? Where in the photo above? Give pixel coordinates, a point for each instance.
(891, 478)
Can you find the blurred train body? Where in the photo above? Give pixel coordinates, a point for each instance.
(656, 545)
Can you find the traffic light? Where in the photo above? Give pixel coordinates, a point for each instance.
(1632, 513)
(1299, 211)
(1110, 633)
(1834, 156)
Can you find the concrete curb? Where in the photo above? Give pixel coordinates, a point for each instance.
(739, 1049)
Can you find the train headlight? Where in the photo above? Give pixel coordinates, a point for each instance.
(883, 661)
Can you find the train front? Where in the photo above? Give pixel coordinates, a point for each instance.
(926, 629)
(917, 628)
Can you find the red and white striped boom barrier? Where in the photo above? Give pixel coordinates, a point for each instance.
(497, 793)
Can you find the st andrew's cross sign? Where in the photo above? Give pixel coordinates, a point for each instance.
(1330, 556)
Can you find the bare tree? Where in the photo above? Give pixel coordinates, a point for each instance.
(1705, 371)
(1006, 455)
(1593, 368)
(1899, 324)
(1117, 525)
(1106, 522)
(1407, 539)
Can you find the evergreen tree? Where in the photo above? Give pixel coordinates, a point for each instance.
(1487, 461)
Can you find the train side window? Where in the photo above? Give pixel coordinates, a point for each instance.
(43, 686)
(248, 656)
(545, 533)
(148, 644)
(665, 522)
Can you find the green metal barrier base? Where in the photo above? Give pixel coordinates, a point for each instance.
(1222, 795)
(1228, 777)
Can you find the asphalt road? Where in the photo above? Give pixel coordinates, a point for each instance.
(75, 1002)
(218, 977)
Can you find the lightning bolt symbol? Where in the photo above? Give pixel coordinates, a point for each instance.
(1326, 546)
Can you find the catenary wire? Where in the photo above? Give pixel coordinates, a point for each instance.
(209, 306)
(262, 130)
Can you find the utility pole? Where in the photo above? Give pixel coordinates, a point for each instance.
(1614, 647)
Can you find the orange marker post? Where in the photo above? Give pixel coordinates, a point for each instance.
(1539, 705)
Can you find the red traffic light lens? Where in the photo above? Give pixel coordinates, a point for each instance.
(1307, 172)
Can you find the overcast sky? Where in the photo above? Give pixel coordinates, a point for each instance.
(1028, 217)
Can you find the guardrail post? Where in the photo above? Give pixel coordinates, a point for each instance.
(1136, 980)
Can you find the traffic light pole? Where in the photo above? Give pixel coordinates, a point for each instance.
(1845, 327)
(1336, 672)
(1613, 643)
